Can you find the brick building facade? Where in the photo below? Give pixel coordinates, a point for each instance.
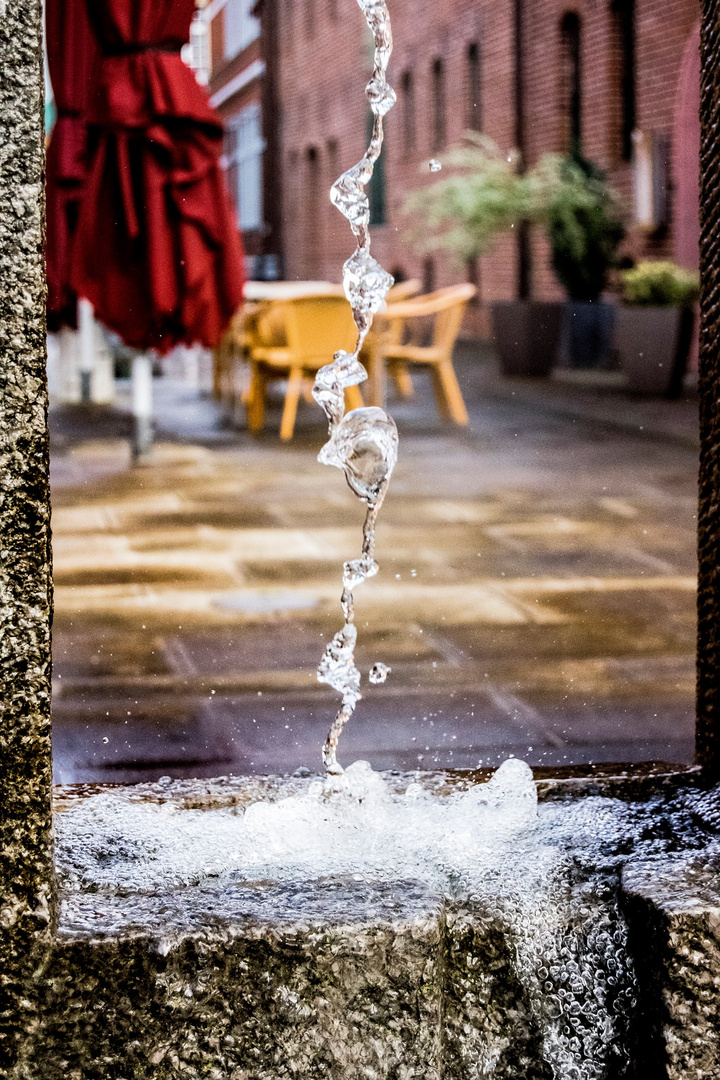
(620, 77)
(529, 73)
(240, 50)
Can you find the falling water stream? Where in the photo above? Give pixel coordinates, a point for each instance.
(363, 442)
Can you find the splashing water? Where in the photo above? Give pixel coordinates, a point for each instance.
(363, 442)
(542, 880)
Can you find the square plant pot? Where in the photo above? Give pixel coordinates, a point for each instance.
(526, 334)
(654, 344)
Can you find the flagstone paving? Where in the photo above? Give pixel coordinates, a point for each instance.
(535, 594)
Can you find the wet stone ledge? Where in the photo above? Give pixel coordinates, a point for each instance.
(588, 951)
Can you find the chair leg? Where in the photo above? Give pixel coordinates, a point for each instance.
(295, 382)
(353, 398)
(377, 378)
(255, 400)
(447, 393)
(403, 381)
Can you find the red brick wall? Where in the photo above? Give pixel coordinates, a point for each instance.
(323, 64)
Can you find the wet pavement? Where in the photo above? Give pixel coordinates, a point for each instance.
(536, 593)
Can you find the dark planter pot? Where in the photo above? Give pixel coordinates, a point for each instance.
(588, 333)
(526, 335)
(654, 345)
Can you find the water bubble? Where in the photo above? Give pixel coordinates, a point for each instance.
(364, 445)
(379, 673)
(435, 165)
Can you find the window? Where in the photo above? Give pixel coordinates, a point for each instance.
(243, 154)
(571, 75)
(474, 88)
(241, 27)
(314, 208)
(438, 105)
(376, 187)
(407, 98)
(332, 153)
(623, 12)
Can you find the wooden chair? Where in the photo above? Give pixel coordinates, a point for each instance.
(313, 328)
(399, 343)
(403, 291)
(228, 361)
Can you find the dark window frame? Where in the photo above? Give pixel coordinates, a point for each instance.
(408, 115)
(377, 188)
(572, 72)
(438, 104)
(473, 59)
(623, 15)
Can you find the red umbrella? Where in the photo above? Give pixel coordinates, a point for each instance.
(72, 54)
(157, 250)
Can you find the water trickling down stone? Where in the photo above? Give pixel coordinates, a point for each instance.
(363, 443)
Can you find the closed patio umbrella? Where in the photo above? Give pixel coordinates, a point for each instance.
(72, 54)
(157, 249)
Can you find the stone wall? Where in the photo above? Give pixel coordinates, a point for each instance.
(232, 975)
(26, 900)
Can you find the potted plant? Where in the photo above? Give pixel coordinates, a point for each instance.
(655, 326)
(464, 213)
(581, 216)
(567, 196)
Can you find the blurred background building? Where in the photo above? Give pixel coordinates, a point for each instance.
(617, 79)
(237, 58)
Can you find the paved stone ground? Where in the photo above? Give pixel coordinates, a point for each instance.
(535, 594)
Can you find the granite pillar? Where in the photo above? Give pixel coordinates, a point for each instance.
(26, 875)
(708, 695)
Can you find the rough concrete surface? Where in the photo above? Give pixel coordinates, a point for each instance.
(227, 977)
(674, 905)
(25, 583)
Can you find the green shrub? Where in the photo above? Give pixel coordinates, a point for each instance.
(582, 220)
(487, 195)
(464, 212)
(660, 283)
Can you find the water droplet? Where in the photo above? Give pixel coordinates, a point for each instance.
(379, 673)
(435, 165)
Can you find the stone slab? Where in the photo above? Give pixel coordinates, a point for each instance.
(673, 908)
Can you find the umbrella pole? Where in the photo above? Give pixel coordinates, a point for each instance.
(142, 405)
(86, 349)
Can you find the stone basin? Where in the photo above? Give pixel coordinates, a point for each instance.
(227, 974)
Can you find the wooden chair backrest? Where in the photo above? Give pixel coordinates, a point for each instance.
(445, 306)
(403, 290)
(316, 327)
